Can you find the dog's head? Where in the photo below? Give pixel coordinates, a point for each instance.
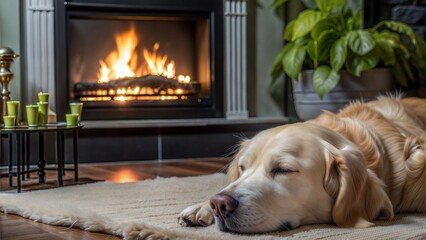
(295, 175)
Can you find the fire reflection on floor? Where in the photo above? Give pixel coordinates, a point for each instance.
(125, 176)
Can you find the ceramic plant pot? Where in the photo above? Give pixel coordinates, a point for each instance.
(368, 86)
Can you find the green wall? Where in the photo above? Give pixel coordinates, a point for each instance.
(10, 37)
(265, 31)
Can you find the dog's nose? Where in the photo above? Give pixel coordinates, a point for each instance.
(222, 205)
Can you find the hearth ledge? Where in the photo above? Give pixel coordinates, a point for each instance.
(160, 123)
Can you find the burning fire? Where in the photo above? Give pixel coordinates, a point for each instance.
(157, 63)
(149, 75)
(123, 62)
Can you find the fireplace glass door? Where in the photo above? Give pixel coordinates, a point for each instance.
(140, 60)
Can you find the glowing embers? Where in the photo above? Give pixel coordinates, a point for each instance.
(133, 98)
(146, 87)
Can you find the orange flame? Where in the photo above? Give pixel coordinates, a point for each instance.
(123, 62)
(157, 63)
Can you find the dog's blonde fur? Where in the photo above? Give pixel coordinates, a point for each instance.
(365, 163)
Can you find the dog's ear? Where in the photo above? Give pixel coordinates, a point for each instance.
(359, 195)
(233, 170)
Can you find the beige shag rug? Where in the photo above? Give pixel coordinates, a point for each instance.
(149, 210)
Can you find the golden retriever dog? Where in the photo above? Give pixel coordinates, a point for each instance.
(363, 164)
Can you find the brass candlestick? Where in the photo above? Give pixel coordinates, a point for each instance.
(7, 56)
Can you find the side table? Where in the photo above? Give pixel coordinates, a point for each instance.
(22, 142)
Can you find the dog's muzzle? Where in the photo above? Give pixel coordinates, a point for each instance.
(223, 205)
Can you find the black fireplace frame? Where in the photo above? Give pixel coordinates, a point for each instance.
(117, 111)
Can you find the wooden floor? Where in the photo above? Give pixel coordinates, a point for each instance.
(15, 227)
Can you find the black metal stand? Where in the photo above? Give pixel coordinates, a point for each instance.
(41, 163)
(21, 143)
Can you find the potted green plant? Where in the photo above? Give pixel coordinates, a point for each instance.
(327, 45)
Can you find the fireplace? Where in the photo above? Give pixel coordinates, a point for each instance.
(145, 59)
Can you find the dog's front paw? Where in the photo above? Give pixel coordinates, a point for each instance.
(197, 215)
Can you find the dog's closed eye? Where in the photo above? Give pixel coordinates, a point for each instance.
(281, 171)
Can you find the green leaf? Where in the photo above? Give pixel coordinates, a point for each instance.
(407, 68)
(384, 49)
(338, 54)
(361, 42)
(399, 27)
(305, 22)
(357, 64)
(277, 71)
(327, 5)
(325, 42)
(325, 79)
(289, 30)
(419, 57)
(302, 41)
(344, 11)
(320, 27)
(403, 49)
(293, 61)
(357, 19)
(421, 47)
(354, 21)
(278, 3)
(400, 76)
(394, 37)
(278, 67)
(312, 50)
(385, 52)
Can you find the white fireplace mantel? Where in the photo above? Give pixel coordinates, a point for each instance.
(39, 46)
(236, 59)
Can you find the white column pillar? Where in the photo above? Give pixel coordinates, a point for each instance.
(39, 42)
(235, 59)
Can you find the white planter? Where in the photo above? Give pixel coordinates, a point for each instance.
(368, 86)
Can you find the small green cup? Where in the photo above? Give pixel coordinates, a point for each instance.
(72, 119)
(77, 108)
(32, 115)
(9, 121)
(13, 110)
(43, 111)
(43, 97)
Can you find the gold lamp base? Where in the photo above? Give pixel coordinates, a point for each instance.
(7, 57)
